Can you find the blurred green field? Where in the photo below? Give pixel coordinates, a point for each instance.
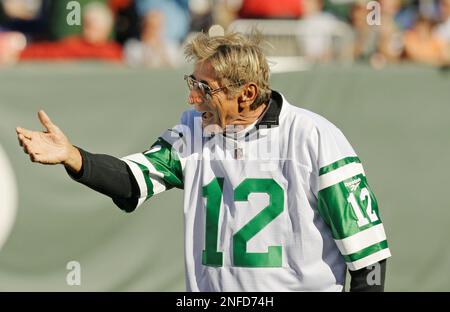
(397, 119)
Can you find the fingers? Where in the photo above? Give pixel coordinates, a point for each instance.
(24, 132)
(34, 157)
(25, 138)
(28, 149)
(21, 139)
(46, 122)
(25, 143)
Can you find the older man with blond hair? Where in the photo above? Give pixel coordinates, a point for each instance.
(275, 198)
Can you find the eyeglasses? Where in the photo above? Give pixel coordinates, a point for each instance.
(194, 84)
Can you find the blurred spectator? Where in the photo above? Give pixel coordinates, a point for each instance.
(428, 9)
(59, 28)
(443, 29)
(21, 9)
(225, 11)
(315, 35)
(152, 31)
(380, 44)
(422, 45)
(126, 20)
(29, 17)
(406, 17)
(92, 44)
(340, 8)
(176, 16)
(11, 44)
(365, 35)
(154, 50)
(390, 36)
(201, 15)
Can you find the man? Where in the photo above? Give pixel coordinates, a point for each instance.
(275, 197)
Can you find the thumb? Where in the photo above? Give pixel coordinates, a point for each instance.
(46, 122)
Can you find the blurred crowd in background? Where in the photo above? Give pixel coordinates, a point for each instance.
(151, 33)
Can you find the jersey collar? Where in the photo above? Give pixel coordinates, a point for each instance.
(271, 116)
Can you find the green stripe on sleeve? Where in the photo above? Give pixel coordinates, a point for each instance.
(338, 164)
(366, 251)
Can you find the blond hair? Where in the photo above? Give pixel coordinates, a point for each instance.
(236, 60)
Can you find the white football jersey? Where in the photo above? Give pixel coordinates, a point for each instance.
(282, 205)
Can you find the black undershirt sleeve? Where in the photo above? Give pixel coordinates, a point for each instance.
(110, 176)
(365, 280)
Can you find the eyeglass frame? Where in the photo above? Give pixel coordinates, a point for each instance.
(204, 87)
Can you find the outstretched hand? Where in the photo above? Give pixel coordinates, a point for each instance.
(49, 147)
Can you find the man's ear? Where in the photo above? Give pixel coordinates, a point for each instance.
(248, 96)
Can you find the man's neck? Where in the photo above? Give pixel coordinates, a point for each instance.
(250, 117)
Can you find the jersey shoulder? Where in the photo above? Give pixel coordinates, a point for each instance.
(305, 118)
(324, 139)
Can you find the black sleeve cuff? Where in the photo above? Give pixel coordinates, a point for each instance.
(370, 279)
(110, 176)
(77, 175)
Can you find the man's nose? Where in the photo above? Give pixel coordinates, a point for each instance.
(195, 97)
